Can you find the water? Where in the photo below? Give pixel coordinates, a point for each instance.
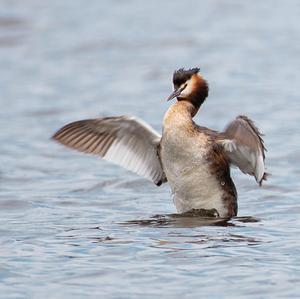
(73, 226)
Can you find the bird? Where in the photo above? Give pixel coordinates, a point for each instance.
(194, 160)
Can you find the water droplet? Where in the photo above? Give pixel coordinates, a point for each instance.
(222, 183)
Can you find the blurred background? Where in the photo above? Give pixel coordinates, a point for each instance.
(60, 211)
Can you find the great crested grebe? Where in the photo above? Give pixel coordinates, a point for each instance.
(194, 160)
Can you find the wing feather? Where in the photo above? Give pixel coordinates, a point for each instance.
(123, 140)
(244, 146)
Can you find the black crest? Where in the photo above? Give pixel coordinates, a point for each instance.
(181, 76)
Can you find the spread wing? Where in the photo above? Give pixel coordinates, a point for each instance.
(245, 148)
(123, 140)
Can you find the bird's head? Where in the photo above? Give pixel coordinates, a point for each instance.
(189, 86)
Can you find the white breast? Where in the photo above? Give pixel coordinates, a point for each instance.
(183, 156)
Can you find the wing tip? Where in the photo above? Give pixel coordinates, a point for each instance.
(55, 137)
(158, 183)
(265, 177)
